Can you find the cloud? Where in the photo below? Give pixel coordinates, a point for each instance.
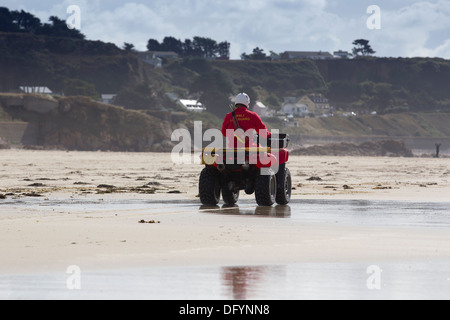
(133, 23)
(442, 50)
(273, 25)
(411, 30)
(419, 28)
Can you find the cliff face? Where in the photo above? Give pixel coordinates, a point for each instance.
(364, 84)
(416, 84)
(78, 123)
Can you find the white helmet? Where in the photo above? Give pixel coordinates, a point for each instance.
(242, 98)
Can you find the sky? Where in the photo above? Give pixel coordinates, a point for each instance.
(397, 28)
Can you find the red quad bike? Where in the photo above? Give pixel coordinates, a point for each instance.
(228, 171)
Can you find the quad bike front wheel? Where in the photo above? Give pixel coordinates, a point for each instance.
(266, 189)
(209, 186)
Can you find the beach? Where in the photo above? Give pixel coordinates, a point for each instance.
(116, 211)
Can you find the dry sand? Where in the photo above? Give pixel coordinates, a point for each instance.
(42, 237)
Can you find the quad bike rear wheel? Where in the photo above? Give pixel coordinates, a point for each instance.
(284, 188)
(266, 189)
(209, 186)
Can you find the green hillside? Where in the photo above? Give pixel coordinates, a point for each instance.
(80, 67)
(30, 60)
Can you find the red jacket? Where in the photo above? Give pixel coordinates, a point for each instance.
(247, 120)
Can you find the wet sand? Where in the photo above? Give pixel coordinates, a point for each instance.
(78, 174)
(84, 209)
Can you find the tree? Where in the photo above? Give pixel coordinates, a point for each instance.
(204, 47)
(188, 48)
(129, 47)
(153, 45)
(21, 21)
(168, 44)
(172, 44)
(6, 21)
(26, 22)
(58, 28)
(223, 49)
(258, 54)
(362, 48)
(18, 21)
(198, 47)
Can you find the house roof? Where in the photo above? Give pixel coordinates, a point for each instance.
(341, 52)
(108, 96)
(191, 104)
(42, 90)
(260, 105)
(318, 98)
(294, 105)
(308, 54)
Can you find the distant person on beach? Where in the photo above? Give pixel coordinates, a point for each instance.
(438, 146)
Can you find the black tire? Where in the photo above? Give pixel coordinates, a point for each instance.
(209, 186)
(266, 189)
(284, 189)
(229, 195)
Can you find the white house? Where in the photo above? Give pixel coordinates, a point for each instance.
(295, 109)
(321, 103)
(155, 58)
(191, 105)
(108, 98)
(261, 109)
(342, 54)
